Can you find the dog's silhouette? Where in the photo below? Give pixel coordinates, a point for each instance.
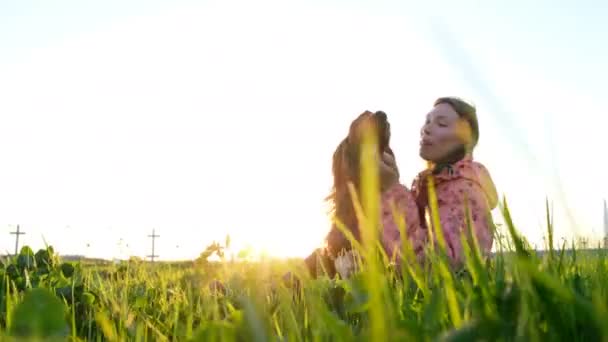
(345, 170)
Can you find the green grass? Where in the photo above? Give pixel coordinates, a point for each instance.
(516, 295)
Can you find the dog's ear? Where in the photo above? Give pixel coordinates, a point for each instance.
(344, 159)
(351, 159)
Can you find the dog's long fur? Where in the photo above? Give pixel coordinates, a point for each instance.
(346, 169)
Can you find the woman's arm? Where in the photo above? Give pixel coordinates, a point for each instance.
(455, 198)
(400, 198)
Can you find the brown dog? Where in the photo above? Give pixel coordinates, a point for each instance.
(346, 169)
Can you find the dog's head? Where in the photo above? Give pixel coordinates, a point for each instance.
(346, 169)
(346, 161)
(378, 122)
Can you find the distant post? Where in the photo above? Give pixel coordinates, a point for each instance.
(605, 225)
(17, 233)
(153, 236)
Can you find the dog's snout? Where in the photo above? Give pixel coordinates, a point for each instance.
(381, 115)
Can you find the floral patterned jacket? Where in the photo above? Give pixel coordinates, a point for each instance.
(453, 183)
(400, 199)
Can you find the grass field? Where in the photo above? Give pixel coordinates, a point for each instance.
(516, 295)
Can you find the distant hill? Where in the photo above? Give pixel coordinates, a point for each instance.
(71, 258)
(100, 261)
(76, 258)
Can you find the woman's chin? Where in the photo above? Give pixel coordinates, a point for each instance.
(424, 154)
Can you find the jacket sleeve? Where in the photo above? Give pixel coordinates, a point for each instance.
(402, 200)
(452, 212)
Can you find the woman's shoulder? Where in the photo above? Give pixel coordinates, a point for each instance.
(474, 174)
(472, 166)
(466, 168)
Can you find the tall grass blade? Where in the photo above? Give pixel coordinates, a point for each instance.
(443, 265)
(549, 230)
(370, 200)
(408, 258)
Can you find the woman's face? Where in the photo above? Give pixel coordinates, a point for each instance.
(443, 132)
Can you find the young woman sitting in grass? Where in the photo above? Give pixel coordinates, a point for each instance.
(448, 138)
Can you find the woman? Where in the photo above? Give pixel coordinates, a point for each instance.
(448, 138)
(346, 169)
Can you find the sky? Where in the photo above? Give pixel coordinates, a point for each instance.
(202, 119)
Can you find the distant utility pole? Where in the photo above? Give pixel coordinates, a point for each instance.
(605, 225)
(17, 233)
(153, 236)
(605, 218)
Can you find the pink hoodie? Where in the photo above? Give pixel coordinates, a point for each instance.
(452, 183)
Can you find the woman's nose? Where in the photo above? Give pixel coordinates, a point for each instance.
(425, 130)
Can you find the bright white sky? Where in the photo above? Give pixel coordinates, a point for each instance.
(220, 117)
